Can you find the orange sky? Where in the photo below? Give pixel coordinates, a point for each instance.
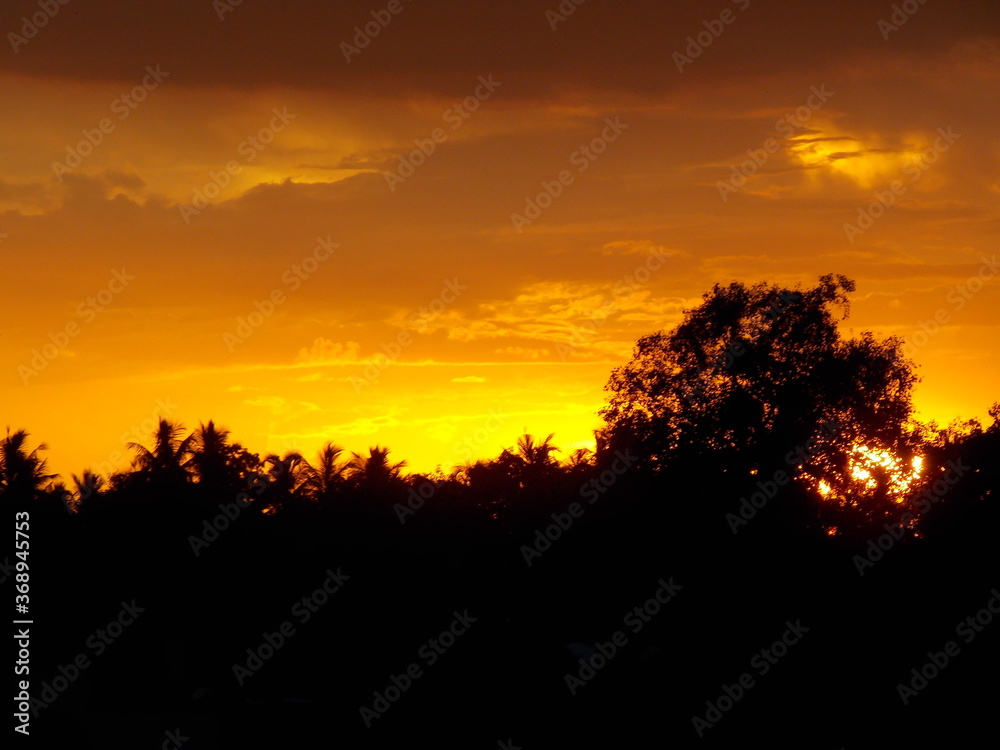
(245, 169)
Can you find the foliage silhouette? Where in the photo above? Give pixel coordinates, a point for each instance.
(22, 473)
(754, 373)
(691, 432)
(165, 464)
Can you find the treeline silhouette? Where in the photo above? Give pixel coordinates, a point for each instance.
(550, 556)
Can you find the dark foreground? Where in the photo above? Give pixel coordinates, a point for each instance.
(437, 630)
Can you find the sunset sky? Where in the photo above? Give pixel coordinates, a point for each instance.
(246, 170)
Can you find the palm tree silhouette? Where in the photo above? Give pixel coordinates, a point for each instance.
(579, 459)
(211, 456)
(57, 495)
(324, 479)
(22, 474)
(536, 454)
(87, 485)
(287, 479)
(165, 463)
(375, 471)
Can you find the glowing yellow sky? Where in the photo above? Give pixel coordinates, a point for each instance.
(416, 312)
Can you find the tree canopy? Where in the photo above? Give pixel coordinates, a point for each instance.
(754, 372)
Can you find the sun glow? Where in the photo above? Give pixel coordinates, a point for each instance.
(867, 161)
(870, 472)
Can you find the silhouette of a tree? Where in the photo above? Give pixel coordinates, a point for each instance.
(287, 477)
(22, 472)
(536, 453)
(163, 464)
(87, 485)
(210, 454)
(755, 372)
(325, 478)
(580, 459)
(217, 463)
(375, 471)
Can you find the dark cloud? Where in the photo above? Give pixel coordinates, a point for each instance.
(435, 47)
